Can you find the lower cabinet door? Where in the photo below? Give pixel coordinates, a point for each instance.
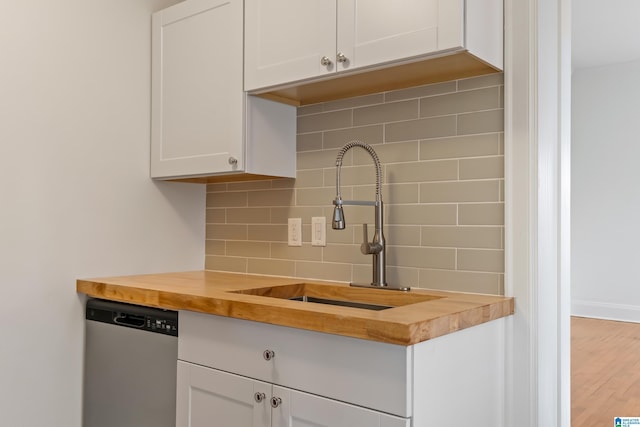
(298, 409)
(211, 398)
(207, 397)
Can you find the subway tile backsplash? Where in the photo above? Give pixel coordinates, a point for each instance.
(442, 155)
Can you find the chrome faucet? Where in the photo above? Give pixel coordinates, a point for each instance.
(376, 247)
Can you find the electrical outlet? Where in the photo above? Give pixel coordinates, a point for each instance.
(295, 232)
(318, 231)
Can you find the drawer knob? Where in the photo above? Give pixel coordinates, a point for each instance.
(259, 397)
(341, 58)
(233, 161)
(275, 402)
(325, 61)
(268, 355)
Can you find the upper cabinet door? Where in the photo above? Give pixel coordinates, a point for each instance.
(286, 40)
(198, 101)
(373, 32)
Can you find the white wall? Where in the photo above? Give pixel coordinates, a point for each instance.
(606, 192)
(75, 197)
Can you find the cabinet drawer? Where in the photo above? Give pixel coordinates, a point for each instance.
(366, 373)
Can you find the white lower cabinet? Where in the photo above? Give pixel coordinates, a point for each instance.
(240, 373)
(209, 397)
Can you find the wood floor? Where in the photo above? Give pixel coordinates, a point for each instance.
(605, 371)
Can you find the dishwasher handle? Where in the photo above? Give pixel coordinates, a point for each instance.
(127, 319)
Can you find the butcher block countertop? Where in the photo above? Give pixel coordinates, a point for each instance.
(414, 316)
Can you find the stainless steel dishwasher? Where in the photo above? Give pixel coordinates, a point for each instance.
(131, 354)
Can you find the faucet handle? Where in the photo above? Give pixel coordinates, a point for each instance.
(366, 247)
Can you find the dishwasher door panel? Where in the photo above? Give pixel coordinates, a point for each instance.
(130, 377)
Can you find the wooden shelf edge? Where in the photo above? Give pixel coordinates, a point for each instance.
(236, 177)
(453, 66)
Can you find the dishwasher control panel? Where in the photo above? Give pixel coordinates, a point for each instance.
(133, 316)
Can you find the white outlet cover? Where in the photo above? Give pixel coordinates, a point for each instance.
(318, 231)
(295, 232)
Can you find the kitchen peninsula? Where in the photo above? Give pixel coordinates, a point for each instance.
(261, 359)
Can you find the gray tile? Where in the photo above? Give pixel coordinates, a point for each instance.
(216, 216)
(268, 233)
(226, 232)
(309, 141)
(309, 178)
(225, 263)
(323, 271)
(319, 159)
(439, 170)
(280, 215)
(481, 260)
(385, 113)
(463, 191)
(345, 253)
(389, 153)
(283, 183)
(248, 215)
(460, 102)
(306, 252)
(460, 146)
(248, 249)
(460, 281)
(481, 214)
(315, 196)
(420, 129)
(271, 267)
(433, 214)
(336, 139)
(421, 257)
(227, 199)
(271, 198)
(391, 193)
(495, 79)
(462, 237)
(402, 235)
(481, 122)
(214, 247)
(324, 121)
(482, 168)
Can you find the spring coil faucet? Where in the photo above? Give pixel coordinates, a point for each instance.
(376, 247)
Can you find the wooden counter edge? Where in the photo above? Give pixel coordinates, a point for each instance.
(381, 330)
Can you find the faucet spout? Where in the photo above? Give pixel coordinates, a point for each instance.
(376, 247)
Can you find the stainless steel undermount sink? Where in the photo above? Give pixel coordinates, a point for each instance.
(343, 296)
(354, 304)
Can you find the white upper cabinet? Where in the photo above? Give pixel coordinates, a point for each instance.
(203, 123)
(377, 31)
(290, 40)
(287, 39)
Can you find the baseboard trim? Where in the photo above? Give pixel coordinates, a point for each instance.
(608, 311)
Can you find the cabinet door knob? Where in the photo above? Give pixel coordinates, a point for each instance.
(341, 58)
(325, 61)
(259, 397)
(268, 354)
(275, 402)
(233, 161)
